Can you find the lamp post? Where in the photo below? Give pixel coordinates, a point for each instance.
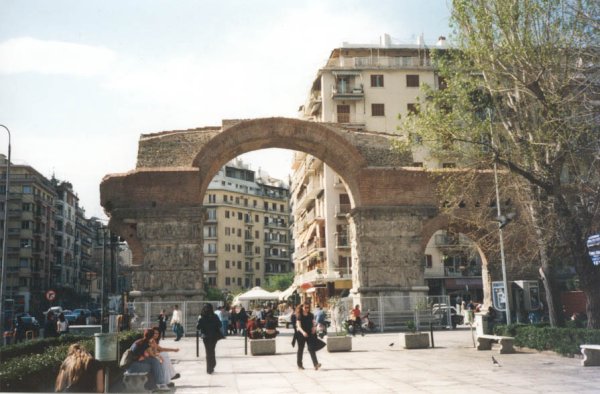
(3, 274)
(500, 225)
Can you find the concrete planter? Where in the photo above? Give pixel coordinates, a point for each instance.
(260, 347)
(416, 340)
(339, 344)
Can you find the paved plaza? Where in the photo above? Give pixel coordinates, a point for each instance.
(377, 366)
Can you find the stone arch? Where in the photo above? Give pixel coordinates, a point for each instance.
(316, 139)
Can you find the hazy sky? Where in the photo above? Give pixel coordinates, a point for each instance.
(81, 80)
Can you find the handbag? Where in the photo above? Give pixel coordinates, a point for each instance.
(127, 359)
(314, 343)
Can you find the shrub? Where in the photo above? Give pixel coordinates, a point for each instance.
(564, 341)
(35, 346)
(16, 374)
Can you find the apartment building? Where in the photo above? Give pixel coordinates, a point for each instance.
(246, 230)
(366, 87)
(30, 236)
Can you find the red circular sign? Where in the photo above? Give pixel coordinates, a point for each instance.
(50, 295)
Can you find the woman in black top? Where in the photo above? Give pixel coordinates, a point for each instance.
(305, 329)
(209, 326)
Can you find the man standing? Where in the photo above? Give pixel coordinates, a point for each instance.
(176, 321)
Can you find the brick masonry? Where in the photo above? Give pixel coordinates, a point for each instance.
(157, 207)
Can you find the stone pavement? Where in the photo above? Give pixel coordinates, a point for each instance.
(377, 366)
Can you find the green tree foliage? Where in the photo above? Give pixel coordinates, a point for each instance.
(523, 91)
(279, 282)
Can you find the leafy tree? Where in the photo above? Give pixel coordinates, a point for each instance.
(522, 90)
(279, 282)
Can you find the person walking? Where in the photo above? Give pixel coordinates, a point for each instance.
(306, 333)
(242, 321)
(80, 372)
(224, 319)
(162, 323)
(50, 326)
(210, 329)
(176, 322)
(62, 325)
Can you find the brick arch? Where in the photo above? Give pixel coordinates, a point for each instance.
(316, 139)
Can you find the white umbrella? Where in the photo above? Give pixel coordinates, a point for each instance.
(258, 293)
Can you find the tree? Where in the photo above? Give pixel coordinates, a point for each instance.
(522, 89)
(279, 282)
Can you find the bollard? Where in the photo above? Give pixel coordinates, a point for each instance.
(431, 332)
(246, 343)
(197, 343)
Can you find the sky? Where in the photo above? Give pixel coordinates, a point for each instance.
(81, 80)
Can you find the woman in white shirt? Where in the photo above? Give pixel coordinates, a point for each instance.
(62, 324)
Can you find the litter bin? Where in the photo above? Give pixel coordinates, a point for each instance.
(481, 324)
(106, 347)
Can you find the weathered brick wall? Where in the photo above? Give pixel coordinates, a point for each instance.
(173, 148)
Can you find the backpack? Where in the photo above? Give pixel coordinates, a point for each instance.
(127, 359)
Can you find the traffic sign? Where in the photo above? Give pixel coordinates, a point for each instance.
(50, 295)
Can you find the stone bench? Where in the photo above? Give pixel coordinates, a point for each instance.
(134, 382)
(259, 347)
(484, 342)
(591, 355)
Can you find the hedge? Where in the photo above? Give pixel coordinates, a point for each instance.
(35, 346)
(564, 341)
(37, 372)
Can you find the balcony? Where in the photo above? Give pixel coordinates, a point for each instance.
(347, 93)
(381, 62)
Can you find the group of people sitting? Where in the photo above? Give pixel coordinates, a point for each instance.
(262, 328)
(152, 358)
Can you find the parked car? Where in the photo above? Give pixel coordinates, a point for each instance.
(77, 312)
(440, 311)
(57, 310)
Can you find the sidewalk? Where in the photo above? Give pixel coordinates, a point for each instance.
(376, 366)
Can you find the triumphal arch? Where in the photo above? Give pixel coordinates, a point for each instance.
(157, 207)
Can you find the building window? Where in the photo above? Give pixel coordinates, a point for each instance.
(442, 84)
(256, 218)
(239, 248)
(212, 213)
(227, 281)
(257, 250)
(412, 108)
(226, 263)
(239, 232)
(212, 265)
(256, 234)
(239, 264)
(27, 189)
(448, 165)
(257, 281)
(212, 198)
(377, 109)
(257, 266)
(376, 81)
(227, 214)
(240, 216)
(25, 225)
(227, 231)
(212, 281)
(428, 261)
(412, 81)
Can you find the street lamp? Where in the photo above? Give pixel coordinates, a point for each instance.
(502, 222)
(3, 274)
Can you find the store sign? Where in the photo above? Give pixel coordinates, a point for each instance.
(499, 296)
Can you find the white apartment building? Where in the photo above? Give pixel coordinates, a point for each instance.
(246, 231)
(370, 88)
